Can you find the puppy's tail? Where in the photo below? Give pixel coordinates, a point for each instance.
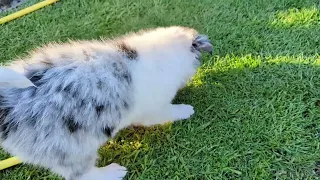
(13, 79)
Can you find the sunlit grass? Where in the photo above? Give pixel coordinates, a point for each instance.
(294, 17)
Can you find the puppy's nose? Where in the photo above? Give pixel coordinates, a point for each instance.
(202, 43)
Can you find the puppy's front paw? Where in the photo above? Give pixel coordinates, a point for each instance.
(111, 172)
(114, 172)
(182, 111)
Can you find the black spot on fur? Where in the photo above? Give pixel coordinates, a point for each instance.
(115, 66)
(99, 84)
(82, 103)
(125, 105)
(122, 76)
(71, 124)
(99, 109)
(5, 3)
(32, 121)
(7, 128)
(116, 75)
(108, 131)
(70, 91)
(75, 94)
(118, 67)
(3, 112)
(130, 52)
(36, 77)
(47, 134)
(59, 88)
(127, 77)
(68, 88)
(69, 70)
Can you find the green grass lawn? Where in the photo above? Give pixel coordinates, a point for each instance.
(257, 99)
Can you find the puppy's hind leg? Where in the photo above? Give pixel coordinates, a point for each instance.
(84, 169)
(169, 113)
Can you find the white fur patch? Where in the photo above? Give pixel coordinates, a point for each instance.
(111, 172)
(10, 79)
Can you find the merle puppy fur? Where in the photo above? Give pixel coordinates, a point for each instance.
(5, 2)
(89, 90)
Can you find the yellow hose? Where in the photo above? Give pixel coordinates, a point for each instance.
(9, 162)
(26, 11)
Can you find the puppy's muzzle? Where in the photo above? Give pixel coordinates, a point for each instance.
(202, 43)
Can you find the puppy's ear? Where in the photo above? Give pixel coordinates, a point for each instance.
(12, 79)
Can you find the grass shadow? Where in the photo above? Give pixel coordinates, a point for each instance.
(262, 117)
